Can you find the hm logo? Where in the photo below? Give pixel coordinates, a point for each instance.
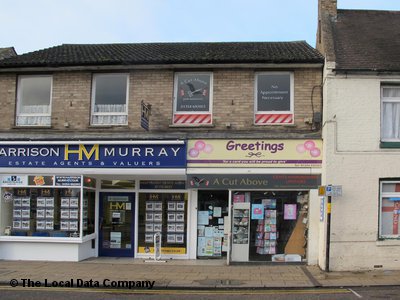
(82, 151)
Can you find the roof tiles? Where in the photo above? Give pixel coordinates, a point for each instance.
(367, 40)
(167, 53)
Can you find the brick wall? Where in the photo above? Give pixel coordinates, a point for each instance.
(233, 101)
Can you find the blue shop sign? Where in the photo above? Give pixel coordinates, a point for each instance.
(94, 156)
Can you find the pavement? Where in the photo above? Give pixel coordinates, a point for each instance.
(185, 274)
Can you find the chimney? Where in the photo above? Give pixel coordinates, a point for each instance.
(327, 6)
(327, 10)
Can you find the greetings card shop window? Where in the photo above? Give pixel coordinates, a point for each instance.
(34, 100)
(390, 116)
(110, 99)
(193, 99)
(389, 210)
(274, 99)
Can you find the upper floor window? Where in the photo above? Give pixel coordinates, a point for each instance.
(193, 99)
(274, 99)
(390, 116)
(389, 209)
(34, 100)
(110, 99)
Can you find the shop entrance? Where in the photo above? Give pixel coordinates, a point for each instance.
(269, 226)
(212, 211)
(116, 224)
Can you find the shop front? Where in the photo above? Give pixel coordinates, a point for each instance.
(69, 201)
(255, 198)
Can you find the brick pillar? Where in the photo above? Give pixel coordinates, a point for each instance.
(327, 6)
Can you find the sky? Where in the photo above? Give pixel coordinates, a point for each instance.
(30, 25)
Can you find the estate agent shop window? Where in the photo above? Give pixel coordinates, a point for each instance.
(47, 206)
(165, 212)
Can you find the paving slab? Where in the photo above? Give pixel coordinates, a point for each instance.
(193, 274)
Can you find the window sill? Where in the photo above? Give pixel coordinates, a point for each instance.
(107, 126)
(32, 127)
(34, 239)
(272, 125)
(388, 242)
(390, 145)
(37, 239)
(192, 126)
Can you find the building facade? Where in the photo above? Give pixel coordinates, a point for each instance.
(216, 146)
(361, 135)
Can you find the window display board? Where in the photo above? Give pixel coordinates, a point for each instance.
(46, 206)
(45, 212)
(164, 213)
(240, 231)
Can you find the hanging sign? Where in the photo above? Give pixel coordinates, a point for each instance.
(145, 116)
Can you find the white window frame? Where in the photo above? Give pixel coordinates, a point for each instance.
(386, 195)
(256, 111)
(211, 92)
(387, 100)
(93, 113)
(19, 94)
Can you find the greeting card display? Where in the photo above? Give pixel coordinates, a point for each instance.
(266, 235)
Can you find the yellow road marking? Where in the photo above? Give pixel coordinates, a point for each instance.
(180, 292)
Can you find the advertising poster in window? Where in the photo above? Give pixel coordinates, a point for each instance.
(290, 212)
(41, 180)
(193, 92)
(274, 99)
(193, 98)
(257, 212)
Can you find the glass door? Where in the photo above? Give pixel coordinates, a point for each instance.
(212, 212)
(117, 218)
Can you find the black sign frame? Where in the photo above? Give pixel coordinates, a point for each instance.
(274, 92)
(193, 92)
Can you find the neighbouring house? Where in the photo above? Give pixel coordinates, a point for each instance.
(361, 134)
(7, 52)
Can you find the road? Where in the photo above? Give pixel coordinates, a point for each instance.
(391, 292)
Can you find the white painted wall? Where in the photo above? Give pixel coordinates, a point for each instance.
(39, 251)
(353, 159)
(313, 228)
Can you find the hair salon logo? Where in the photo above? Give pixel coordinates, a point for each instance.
(198, 182)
